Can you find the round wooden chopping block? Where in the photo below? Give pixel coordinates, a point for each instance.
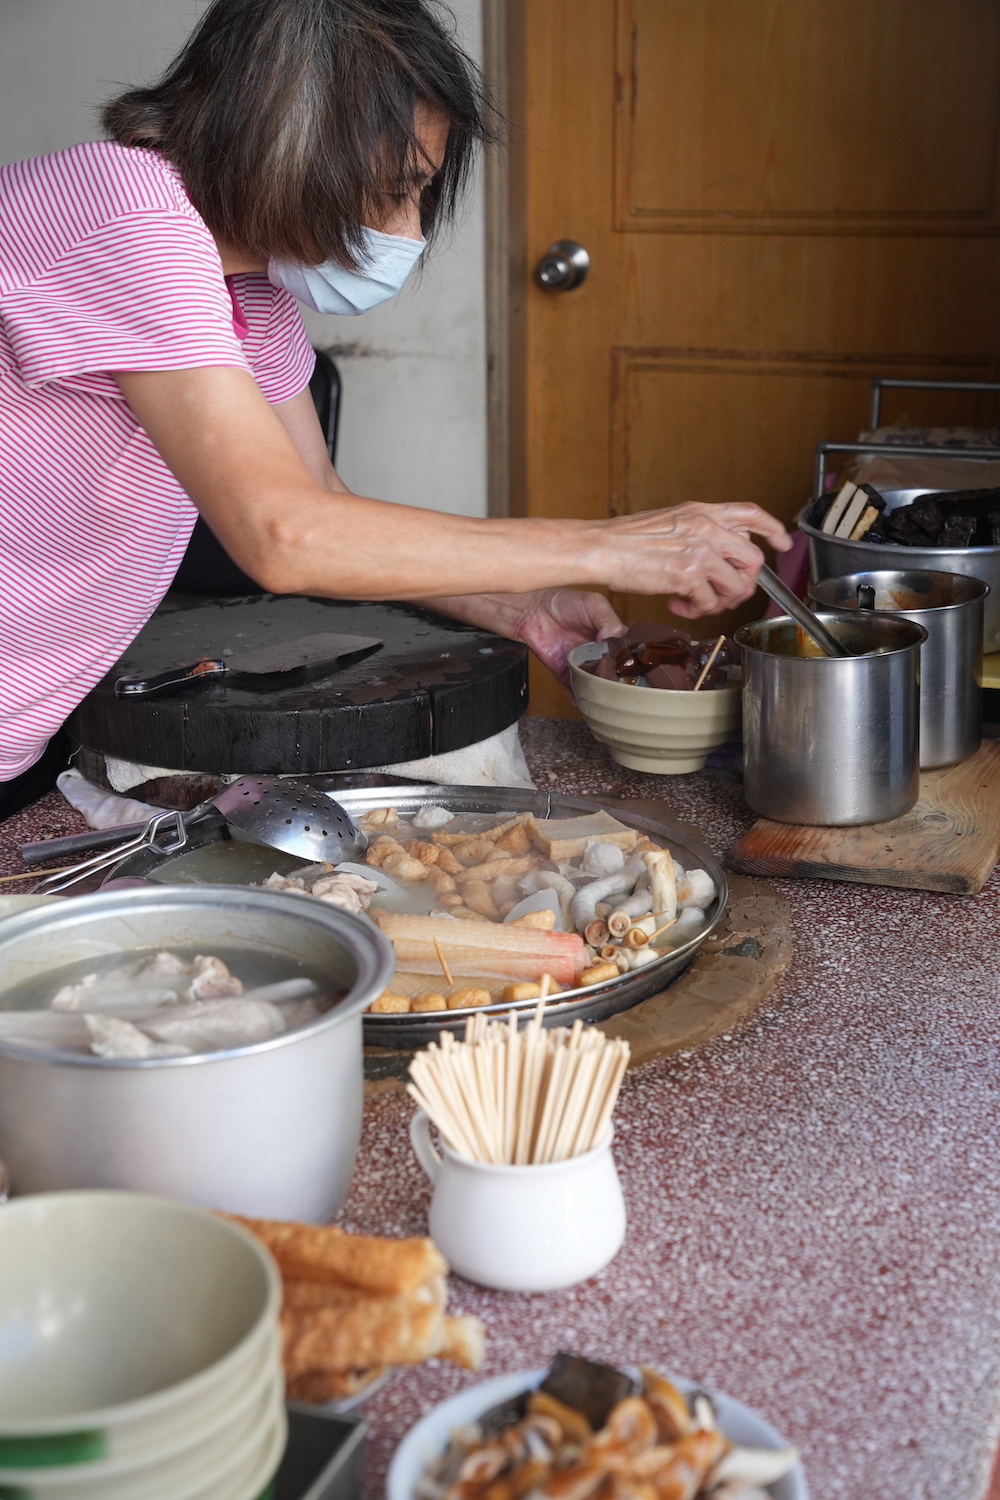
(434, 686)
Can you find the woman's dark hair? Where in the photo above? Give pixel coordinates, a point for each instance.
(291, 122)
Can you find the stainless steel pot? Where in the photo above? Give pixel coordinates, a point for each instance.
(831, 740)
(830, 557)
(950, 608)
(270, 1130)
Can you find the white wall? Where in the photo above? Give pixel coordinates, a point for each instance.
(413, 424)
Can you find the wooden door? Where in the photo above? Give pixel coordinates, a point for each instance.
(780, 198)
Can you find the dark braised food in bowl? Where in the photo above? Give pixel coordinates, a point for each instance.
(661, 656)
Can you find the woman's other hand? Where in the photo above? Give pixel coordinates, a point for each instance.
(553, 621)
(550, 621)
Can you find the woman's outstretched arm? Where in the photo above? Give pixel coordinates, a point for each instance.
(294, 534)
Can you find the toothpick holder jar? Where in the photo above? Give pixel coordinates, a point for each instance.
(533, 1228)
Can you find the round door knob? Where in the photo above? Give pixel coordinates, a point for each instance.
(563, 266)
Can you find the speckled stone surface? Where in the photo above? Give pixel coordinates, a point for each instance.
(814, 1200)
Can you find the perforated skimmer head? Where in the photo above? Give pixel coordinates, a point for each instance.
(291, 815)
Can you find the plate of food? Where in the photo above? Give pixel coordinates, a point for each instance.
(484, 891)
(580, 1430)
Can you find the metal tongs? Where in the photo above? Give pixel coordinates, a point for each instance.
(50, 885)
(281, 812)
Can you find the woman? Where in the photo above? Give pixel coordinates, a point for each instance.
(153, 363)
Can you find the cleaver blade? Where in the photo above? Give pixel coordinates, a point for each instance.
(318, 651)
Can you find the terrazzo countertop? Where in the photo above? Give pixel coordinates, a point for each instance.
(813, 1200)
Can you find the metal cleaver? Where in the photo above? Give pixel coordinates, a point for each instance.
(317, 651)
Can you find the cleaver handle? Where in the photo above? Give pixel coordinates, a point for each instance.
(160, 682)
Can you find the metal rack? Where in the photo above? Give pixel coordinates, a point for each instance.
(907, 450)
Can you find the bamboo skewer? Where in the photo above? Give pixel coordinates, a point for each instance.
(520, 1098)
(443, 962)
(708, 665)
(35, 874)
(656, 934)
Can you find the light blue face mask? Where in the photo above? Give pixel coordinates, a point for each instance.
(387, 261)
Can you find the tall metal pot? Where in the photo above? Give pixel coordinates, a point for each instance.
(270, 1130)
(831, 556)
(950, 608)
(831, 740)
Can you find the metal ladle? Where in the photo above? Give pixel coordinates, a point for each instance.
(288, 814)
(801, 613)
(281, 812)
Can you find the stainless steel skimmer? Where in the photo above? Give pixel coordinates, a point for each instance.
(289, 814)
(281, 812)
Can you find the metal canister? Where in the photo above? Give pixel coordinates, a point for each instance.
(831, 740)
(950, 608)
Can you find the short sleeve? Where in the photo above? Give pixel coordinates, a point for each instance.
(144, 291)
(277, 347)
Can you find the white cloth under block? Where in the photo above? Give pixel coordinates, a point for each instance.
(100, 808)
(498, 761)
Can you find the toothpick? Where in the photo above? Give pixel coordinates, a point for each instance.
(576, 1095)
(443, 962)
(708, 665)
(548, 1114)
(604, 1118)
(543, 994)
(36, 874)
(656, 934)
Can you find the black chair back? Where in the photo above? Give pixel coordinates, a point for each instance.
(206, 567)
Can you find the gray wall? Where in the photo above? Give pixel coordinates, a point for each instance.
(414, 415)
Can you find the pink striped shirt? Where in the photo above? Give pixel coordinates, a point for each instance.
(104, 265)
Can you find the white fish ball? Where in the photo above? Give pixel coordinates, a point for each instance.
(602, 858)
(432, 817)
(696, 889)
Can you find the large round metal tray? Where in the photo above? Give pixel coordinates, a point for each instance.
(594, 1004)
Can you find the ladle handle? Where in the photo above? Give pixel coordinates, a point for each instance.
(800, 613)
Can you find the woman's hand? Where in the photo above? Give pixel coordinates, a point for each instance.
(701, 556)
(550, 621)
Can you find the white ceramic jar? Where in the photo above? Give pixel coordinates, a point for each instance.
(523, 1229)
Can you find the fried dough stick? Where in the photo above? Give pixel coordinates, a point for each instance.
(375, 1331)
(310, 1252)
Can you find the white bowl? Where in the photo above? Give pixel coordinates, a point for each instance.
(657, 730)
(430, 1436)
(125, 1320)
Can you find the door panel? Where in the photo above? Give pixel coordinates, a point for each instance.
(781, 198)
(859, 115)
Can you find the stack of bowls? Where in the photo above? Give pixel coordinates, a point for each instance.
(140, 1354)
